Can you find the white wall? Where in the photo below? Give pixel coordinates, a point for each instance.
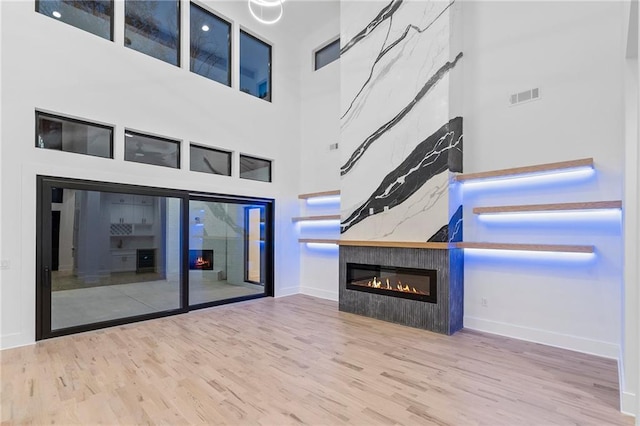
(319, 166)
(630, 363)
(59, 68)
(572, 51)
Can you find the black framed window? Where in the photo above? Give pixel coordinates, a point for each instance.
(255, 66)
(155, 150)
(71, 135)
(209, 160)
(255, 168)
(327, 54)
(153, 27)
(95, 17)
(210, 46)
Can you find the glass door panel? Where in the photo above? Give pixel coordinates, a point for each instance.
(109, 256)
(221, 236)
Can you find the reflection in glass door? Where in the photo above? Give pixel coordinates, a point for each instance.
(220, 236)
(108, 256)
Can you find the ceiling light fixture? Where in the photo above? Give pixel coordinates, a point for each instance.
(57, 14)
(205, 28)
(266, 11)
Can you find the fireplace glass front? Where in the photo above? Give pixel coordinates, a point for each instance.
(408, 283)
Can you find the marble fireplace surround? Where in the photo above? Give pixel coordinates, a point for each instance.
(443, 317)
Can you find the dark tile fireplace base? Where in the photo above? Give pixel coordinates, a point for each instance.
(445, 316)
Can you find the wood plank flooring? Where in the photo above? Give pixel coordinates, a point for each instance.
(298, 360)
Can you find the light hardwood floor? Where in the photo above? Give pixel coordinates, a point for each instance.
(298, 360)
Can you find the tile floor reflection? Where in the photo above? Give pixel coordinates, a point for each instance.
(95, 304)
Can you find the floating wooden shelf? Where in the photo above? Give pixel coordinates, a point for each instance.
(317, 241)
(539, 168)
(589, 205)
(319, 194)
(528, 247)
(311, 218)
(397, 244)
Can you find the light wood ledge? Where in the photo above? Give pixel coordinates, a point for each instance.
(557, 248)
(584, 162)
(317, 240)
(589, 205)
(398, 244)
(319, 194)
(310, 218)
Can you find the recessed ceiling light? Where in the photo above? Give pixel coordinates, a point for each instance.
(205, 28)
(57, 14)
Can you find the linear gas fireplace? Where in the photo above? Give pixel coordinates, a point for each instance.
(427, 284)
(408, 283)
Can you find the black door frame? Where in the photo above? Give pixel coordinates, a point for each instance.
(269, 205)
(43, 248)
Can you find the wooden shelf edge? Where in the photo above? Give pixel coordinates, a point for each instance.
(556, 248)
(397, 244)
(311, 218)
(319, 194)
(317, 240)
(583, 162)
(587, 205)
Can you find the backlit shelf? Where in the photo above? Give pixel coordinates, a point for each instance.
(557, 207)
(317, 241)
(516, 172)
(315, 218)
(556, 248)
(331, 193)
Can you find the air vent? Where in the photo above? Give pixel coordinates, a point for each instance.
(333, 146)
(526, 96)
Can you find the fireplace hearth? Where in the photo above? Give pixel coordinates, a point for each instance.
(408, 283)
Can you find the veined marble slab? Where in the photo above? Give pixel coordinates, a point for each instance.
(398, 141)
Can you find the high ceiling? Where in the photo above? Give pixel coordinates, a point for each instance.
(299, 15)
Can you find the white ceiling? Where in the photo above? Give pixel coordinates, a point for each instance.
(299, 15)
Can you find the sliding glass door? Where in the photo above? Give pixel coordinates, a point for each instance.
(111, 254)
(220, 238)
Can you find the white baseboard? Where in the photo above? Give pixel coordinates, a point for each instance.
(565, 341)
(282, 292)
(14, 340)
(628, 404)
(322, 294)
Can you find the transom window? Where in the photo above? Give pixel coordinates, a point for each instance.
(327, 54)
(209, 160)
(255, 168)
(72, 135)
(155, 150)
